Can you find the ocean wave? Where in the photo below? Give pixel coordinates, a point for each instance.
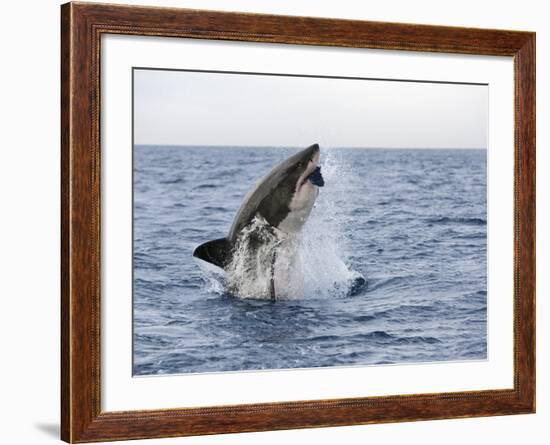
(418, 339)
(377, 335)
(374, 284)
(453, 220)
(364, 318)
(172, 181)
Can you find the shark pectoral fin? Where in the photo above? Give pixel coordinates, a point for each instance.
(217, 252)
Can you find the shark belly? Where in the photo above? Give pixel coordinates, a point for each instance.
(299, 209)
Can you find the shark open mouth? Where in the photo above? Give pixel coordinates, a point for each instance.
(316, 178)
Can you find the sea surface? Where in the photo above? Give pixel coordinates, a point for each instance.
(411, 222)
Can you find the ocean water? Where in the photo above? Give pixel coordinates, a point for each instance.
(412, 223)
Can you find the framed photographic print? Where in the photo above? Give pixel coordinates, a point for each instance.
(275, 222)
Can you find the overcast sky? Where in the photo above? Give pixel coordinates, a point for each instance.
(190, 108)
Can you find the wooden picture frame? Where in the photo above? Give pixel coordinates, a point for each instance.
(82, 25)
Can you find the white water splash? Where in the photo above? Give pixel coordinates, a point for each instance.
(249, 273)
(213, 277)
(324, 246)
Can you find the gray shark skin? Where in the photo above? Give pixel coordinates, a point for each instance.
(282, 201)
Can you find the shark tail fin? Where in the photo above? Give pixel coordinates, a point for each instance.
(217, 252)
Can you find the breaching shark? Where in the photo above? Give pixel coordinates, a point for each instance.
(261, 249)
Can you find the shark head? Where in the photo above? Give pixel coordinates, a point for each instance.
(293, 173)
(285, 196)
(303, 167)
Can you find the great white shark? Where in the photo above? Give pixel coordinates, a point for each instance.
(262, 241)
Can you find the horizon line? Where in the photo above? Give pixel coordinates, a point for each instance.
(353, 147)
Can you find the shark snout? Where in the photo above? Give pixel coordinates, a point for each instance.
(312, 156)
(312, 171)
